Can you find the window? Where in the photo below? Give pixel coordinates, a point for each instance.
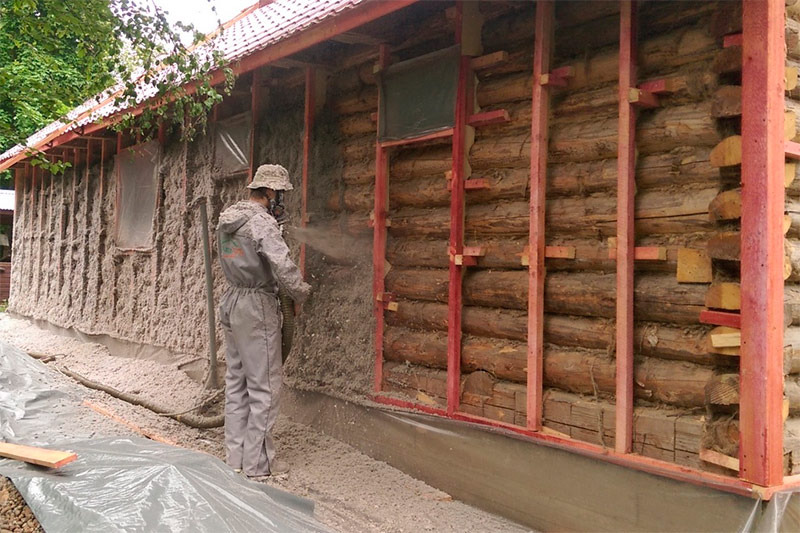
(232, 145)
(418, 96)
(136, 195)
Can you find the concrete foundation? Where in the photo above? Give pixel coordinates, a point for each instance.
(541, 487)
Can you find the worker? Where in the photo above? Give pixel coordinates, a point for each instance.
(255, 259)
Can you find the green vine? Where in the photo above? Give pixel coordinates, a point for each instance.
(67, 51)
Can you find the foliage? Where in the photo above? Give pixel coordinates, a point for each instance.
(54, 54)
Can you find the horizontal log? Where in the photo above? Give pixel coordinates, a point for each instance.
(573, 370)
(355, 124)
(660, 432)
(432, 191)
(657, 212)
(658, 297)
(360, 101)
(687, 87)
(723, 390)
(726, 206)
(413, 162)
(658, 131)
(507, 253)
(651, 339)
(663, 53)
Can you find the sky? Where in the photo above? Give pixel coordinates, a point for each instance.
(198, 12)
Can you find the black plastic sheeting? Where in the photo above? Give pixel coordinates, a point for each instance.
(124, 483)
(418, 96)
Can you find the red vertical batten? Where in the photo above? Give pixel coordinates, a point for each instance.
(308, 125)
(542, 51)
(255, 93)
(102, 170)
(626, 190)
(761, 380)
(456, 242)
(379, 233)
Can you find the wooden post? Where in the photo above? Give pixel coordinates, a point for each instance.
(379, 233)
(308, 115)
(626, 189)
(760, 415)
(542, 51)
(456, 241)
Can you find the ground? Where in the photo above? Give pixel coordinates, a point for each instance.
(352, 491)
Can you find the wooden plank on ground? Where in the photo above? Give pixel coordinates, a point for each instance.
(36, 456)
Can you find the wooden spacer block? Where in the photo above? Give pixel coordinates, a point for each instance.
(694, 266)
(475, 184)
(489, 60)
(792, 149)
(391, 306)
(732, 40)
(785, 409)
(731, 351)
(790, 78)
(557, 77)
(727, 153)
(660, 86)
(650, 253)
(559, 252)
(721, 318)
(719, 459)
(473, 251)
(548, 80)
(384, 297)
(725, 296)
(640, 253)
(726, 340)
(727, 205)
(641, 98)
(373, 116)
(498, 116)
(789, 125)
(563, 72)
(465, 260)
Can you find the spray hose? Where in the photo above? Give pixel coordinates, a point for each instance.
(287, 330)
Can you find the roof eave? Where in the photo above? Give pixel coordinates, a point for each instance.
(330, 27)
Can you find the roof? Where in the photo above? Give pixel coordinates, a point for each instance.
(7, 200)
(254, 29)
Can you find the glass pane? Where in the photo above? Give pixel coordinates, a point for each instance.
(232, 150)
(418, 95)
(137, 167)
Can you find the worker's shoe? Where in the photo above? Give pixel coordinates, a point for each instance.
(278, 468)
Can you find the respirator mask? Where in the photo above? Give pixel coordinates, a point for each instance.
(277, 209)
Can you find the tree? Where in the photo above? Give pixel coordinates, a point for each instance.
(54, 54)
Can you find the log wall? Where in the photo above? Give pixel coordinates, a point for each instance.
(677, 181)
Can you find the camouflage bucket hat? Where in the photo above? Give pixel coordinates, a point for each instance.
(273, 177)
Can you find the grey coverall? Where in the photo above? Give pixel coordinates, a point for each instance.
(255, 259)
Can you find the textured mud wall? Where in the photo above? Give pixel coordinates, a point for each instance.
(72, 274)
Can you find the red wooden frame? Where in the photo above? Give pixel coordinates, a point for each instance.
(626, 189)
(456, 241)
(308, 125)
(379, 235)
(542, 51)
(412, 140)
(763, 159)
(721, 318)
